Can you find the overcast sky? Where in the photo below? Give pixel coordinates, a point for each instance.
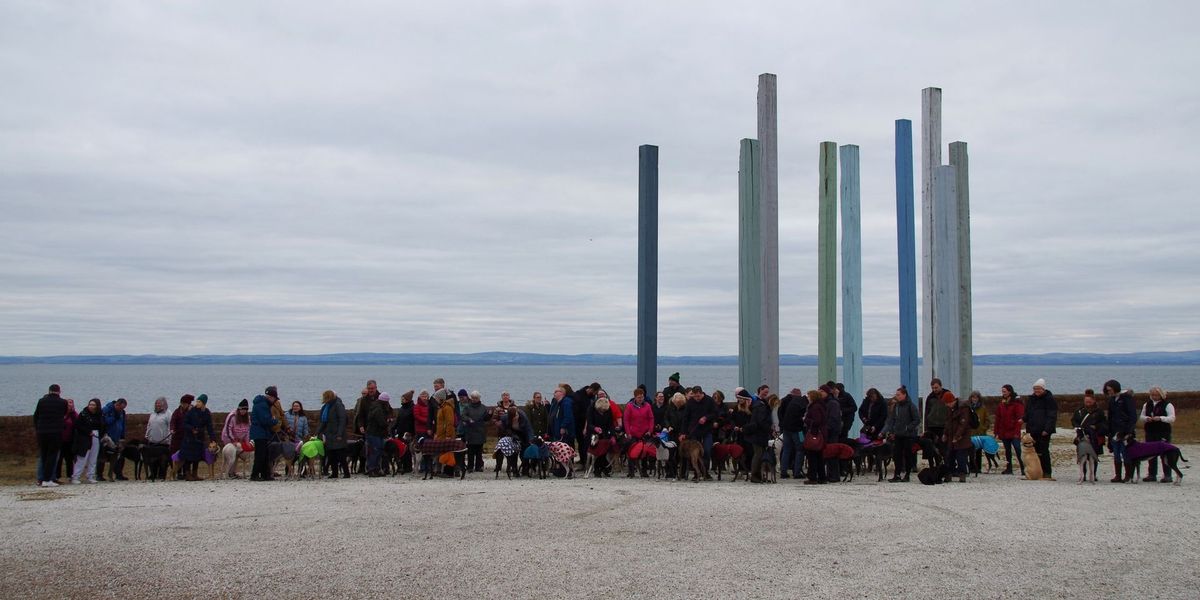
(198, 177)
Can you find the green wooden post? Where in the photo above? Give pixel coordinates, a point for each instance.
(750, 275)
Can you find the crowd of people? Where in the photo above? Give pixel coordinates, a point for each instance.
(72, 443)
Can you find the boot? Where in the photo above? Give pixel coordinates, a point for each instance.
(1117, 467)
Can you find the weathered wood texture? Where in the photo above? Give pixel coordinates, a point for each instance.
(852, 329)
(962, 186)
(768, 186)
(750, 280)
(827, 264)
(931, 158)
(906, 258)
(946, 323)
(647, 323)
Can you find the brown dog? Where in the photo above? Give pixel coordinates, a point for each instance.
(1033, 463)
(691, 453)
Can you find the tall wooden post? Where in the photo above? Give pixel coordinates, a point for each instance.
(962, 186)
(931, 158)
(750, 279)
(906, 257)
(827, 265)
(852, 334)
(768, 187)
(945, 280)
(647, 324)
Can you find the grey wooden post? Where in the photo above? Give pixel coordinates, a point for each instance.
(750, 280)
(768, 187)
(647, 324)
(945, 280)
(827, 265)
(958, 159)
(931, 158)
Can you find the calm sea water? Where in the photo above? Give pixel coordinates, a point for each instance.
(22, 385)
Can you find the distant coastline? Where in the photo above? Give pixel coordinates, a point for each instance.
(1186, 358)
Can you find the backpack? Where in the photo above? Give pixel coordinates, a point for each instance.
(974, 419)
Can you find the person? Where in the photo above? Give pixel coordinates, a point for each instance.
(873, 413)
(614, 408)
(582, 405)
(833, 414)
(1010, 414)
(981, 423)
(1156, 417)
(235, 437)
(848, 408)
(699, 417)
(89, 428)
(114, 425)
(562, 417)
(197, 430)
(66, 459)
(516, 425)
(815, 424)
(958, 436)
(673, 387)
(901, 428)
(1122, 421)
(379, 420)
(740, 417)
(422, 416)
(48, 423)
(758, 432)
(1041, 419)
(332, 431)
(935, 411)
(600, 424)
(659, 406)
(362, 406)
(181, 411)
(283, 442)
(297, 421)
(538, 414)
(1090, 421)
(404, 425)
(446, 428)
(639, 421)
(475, 420)
(791, 422)
(261, 424)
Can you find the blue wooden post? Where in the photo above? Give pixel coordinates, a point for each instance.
(852, 332)
(750, 275)
(647, 324)
(827, 264)
(906, 243)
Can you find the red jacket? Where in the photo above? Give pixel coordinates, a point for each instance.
(638, 421)
(1008, 419)
(420, 418)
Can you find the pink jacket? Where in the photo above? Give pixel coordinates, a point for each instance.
(234, 431)
(638, 421)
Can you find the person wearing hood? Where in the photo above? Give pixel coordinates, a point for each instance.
(474, 426)
(48, 422)
(538, 414)
(379, 414)
(791, 423)
(1157, 416)
(332, 431)
(958, 436)
(1041, 419)
(197, 431)
(114, 425)
(89, 428)
(235, 437)
(261, 425)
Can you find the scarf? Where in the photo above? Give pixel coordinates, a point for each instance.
(325, 412)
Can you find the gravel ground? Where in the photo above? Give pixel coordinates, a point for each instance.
(993, 537)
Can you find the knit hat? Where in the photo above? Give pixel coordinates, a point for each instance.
(244, 403)
(828, 390)
(462, 393)
(1040, 383)
(674, 377)
(406, 396)
(202, 398)
(186, 399)
(385, 397)
(741, 392)
(272, 392)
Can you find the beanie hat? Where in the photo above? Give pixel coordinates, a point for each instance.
(186, 399)
(202, 398)
(385, 397)
(1040, 383)
(741, 393)
(674, 377)
(244, 403)
(406, 396)
(828, 390)
(272, 392)
(462, 393)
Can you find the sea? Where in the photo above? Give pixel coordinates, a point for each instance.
(226, 385)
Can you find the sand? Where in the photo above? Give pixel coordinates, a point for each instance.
(993, 537)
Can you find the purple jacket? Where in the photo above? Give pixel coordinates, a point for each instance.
(1142, 450)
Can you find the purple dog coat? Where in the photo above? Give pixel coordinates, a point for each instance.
(1142, 450)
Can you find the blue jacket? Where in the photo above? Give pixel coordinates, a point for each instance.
(261, 420)
(114, 421)
(563, 417)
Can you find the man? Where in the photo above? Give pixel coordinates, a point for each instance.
(849, 406)
(368, 397)
(699, 416)
(158, 439)
(114, 421)
(48, 423)
(538, 414)
(562, 418)
(405, 424)
(379, 416)
(935, 411)
(673, 388)
(1122, 419)
(185, 404)
(1157, 416)
(261, 424)
(1090, 420)
(791, 423)
(758, 433)
(958, 436)
(584, 399)
(1041, 419)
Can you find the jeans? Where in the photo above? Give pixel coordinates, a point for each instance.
(793, 454)
(1013, 446)
(48, 446)
(707, 442)
(374, 451)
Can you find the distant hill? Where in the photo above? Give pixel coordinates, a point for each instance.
(522, 358)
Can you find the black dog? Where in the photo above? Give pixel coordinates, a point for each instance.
(507, 448)
(357, 455)
(156, 457)
(930, 452)
(1170, 454)
(131, 451)
(879, 456)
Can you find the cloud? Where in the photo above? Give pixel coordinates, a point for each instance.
(288, 178)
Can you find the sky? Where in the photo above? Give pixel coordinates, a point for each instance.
(299, 177)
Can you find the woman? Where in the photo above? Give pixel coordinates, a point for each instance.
(539, 415)
(475, 420)
(739, 417)
(660, 410)
(901, 428)
(297, 421)
(600, 424)
(1010, 415)
(758, 432)
(66, 458)
(815, 423)
(235, 437)
(984, 423)
(958, 436)
(332, 432)
(197, 430)
(446, 430)
(422, 416)
(873, 413)
(639, 422)
(89, 428)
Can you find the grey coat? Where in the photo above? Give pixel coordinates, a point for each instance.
(333, 431)
(902, 419)
(474, 420)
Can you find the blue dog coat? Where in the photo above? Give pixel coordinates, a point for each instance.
(986, 443)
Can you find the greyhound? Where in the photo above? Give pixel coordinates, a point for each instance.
(1085, 456)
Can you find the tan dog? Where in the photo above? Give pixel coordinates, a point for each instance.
(1033, 463)
(691, 453)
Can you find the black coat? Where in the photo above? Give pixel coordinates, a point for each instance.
(849, 407)
(85, 424)
(693, 411)
(758, 431)
(49, 414)
(404, 420)
(581, 405)
(791, 411)
(1041, 413)
(873, 415)
(1122, 416)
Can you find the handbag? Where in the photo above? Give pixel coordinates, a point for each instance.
(814, 442)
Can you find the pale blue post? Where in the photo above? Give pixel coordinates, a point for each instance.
(906, 244)
(852, 334)
(750, 275)
(647, 324)
(947, 322)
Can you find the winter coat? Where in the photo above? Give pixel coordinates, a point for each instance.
(833, 419)
(197, 430)
(673, 416)
(333, 430)
(562, 418)
(261, 420)
(298, 425)
(233, 431)
(1041, 415)
(114, 421)
(421, 419)
(404, 420)
(177, 427)
(599, 419)
(582, 404)
(49, 413)
(69, 426)
(902, 419)
(791, 411)
(670, 391)
(694, 410)
(815, 418)
(1093, 424)
(85, 424)
(539, 417)
(958, 426)
(848, 408)
(935, 409)
(378, 413)
(522, 430)
(446, 428)
(1122, 416)
(985, 421)
(1008, 419)
(475, 419)
(660, 414)
(638, 420)
(873, 414)
(158, 428)
(758, 431)
(362, 410)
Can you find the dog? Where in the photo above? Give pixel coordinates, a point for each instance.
(691, 454)
(245, 457)
(1136, 452)
(770, 459)
(507, 448)
(990, 448)
(356, 454)
(308, 458)
(1085, 456)
(934, 475)
(930, 452)
(156, 457)
(563, 455)
(394, 450)
(1033, 463)
(535, 459)
(663, 466)
(427, 449)
(600, 446)
(211, 452)
(642, 454)
(131, 452)
(878, 454)
(722, 454)
(838, 457)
